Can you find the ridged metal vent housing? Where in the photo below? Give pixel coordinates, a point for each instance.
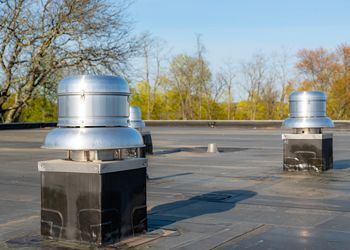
(93, 115)
(307, 109)
(135, 118)
(90, 101)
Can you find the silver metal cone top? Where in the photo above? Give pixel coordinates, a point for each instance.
(307, 109)
(135, 118)
(93, 101)
(93, 115)
(93, 138)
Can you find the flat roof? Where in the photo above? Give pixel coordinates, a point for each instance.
(239, 198)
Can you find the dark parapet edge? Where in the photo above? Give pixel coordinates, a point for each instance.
(272, 124)
(27, 125)
(215, 123)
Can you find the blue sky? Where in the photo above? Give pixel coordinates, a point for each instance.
(237, 29)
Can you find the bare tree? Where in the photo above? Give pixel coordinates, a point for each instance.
(280, 71)
(185, 74)
(254, 73)
(41, 40)
(225, 77)
(201, 80)
(154, 55)
(269, 97)
(181, 73)
(214, 91)
(146, 47)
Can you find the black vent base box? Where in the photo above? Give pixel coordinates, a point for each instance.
(97, 203)
(147, 140)
(307, 152)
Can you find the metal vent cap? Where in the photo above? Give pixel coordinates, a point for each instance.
(93, 101)
(307, 109)
(93, 138)
(135, 118)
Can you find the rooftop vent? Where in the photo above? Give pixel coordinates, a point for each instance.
(307, 109)
(135, 118)
(307, 148)
(93, 118)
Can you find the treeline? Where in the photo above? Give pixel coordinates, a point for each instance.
(187, 89)
(43, 41)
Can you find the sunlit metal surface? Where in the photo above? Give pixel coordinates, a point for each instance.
(316, 122)
(304, 233)
(135, 118)
(307, 109)
(93, 138)
(87, 101)
(93, 155)
(93, 115)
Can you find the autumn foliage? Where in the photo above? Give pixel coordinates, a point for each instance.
(44, 41)
(328, 71)
(190, 91)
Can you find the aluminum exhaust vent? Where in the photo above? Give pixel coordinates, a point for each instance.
(135, 118)
(307, 148)
(93, 118)
(307, 109)
(98, 190)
